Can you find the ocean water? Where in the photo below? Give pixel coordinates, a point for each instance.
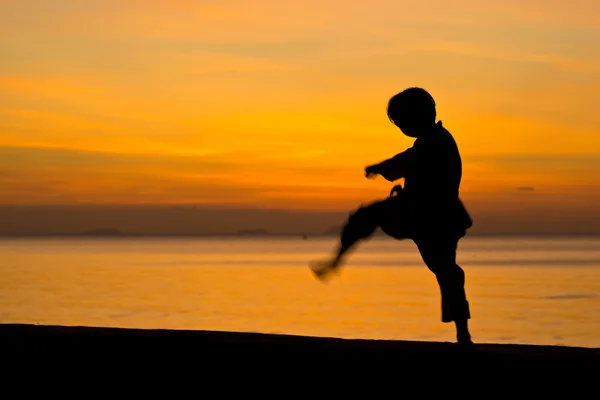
(521, 290)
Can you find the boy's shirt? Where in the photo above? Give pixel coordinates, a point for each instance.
(432, 169)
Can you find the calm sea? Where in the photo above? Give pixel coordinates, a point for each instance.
(521, 290)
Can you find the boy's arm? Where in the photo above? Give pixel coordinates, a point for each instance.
(392, 169)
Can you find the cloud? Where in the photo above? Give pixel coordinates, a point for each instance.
(286, 100)
(41, 175)
(525, 189)
(560, 163)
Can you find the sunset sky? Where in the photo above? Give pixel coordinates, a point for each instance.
(281, 104)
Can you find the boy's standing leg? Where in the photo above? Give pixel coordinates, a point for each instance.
(439, 254)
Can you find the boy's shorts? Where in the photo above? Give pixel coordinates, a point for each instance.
(401, 220)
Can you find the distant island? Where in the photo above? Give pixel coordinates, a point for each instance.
(254, 232)
(337, 230)
(261, 232)
(120, 221)
(103, 232)
(334, 230)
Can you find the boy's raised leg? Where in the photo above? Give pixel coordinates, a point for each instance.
(361, 224)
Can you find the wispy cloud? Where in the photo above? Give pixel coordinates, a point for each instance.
(274, 101)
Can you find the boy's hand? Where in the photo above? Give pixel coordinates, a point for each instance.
(384, 169)
(372, 171)
(392, 169)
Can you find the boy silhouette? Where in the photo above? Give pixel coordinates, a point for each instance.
(427, 210)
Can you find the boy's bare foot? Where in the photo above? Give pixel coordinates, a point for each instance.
(463, 340)
(465, 345)
(324, 269)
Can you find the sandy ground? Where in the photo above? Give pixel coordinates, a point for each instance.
(114, 353)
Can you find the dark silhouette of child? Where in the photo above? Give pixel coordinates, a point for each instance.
(427, 210)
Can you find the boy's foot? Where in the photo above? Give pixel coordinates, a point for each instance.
(320, 273)
(323, 270)
(464, 342)
(465, 347)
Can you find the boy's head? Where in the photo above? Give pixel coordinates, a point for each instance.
(412, 110)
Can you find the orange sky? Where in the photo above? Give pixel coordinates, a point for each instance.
(281, 104)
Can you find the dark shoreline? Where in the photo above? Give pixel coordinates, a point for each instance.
(247, 353)
(132, 362)
(24, 332)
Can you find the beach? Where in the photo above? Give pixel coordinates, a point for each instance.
(104, 354)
